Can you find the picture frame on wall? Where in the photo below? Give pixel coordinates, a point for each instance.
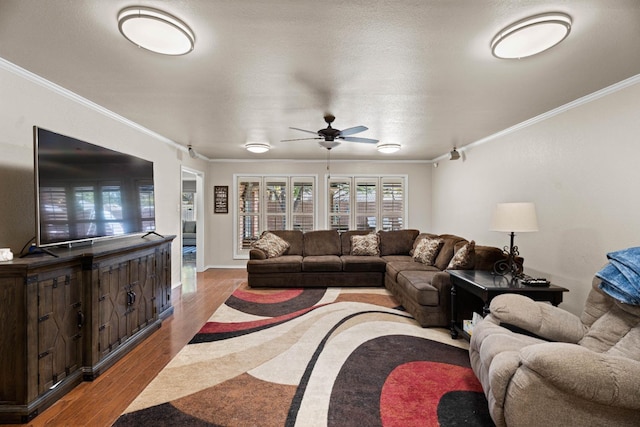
(221, 199)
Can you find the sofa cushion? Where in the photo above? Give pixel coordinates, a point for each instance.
(270, 244)
(345, 239)
(417, 284)
(465, 257)
(397, 258)
(447, 251)
(366, 245)
(294, 238)
(321, 263)
(427, 250)
(397, 242)
(321, 242)
(281, 264)
(487, 256)
(394, 268)
(357, 263)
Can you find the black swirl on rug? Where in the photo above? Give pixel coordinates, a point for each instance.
(306, 298)
(164, 415)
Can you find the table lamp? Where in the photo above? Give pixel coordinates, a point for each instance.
(513, 218)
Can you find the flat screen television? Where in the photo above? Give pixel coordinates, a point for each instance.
(86, 192)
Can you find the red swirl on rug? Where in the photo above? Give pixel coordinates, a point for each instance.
(267, 298)
(412, 392)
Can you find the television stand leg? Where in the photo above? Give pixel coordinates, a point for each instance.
(35, 250)
(153, 232)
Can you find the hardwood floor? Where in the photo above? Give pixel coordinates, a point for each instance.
(100, 402)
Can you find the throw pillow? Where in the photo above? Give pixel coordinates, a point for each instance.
(270, 244)
(366, 245)
(427, 250)
(464, 259)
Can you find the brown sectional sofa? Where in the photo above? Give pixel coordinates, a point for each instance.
(323, 258)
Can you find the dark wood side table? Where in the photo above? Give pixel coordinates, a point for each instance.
(473, 290)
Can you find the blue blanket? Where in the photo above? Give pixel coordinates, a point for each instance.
(621, 276)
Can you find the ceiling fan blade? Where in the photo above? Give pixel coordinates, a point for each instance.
(299, 139)
(304, 130)
(351, 131)
(356, 139)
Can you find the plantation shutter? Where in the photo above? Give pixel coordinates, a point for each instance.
(366, 203)
(276, 203)
(392, 204)
(303, 204)
(339, 200)
(248, 212)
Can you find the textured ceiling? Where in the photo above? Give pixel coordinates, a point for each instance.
(418, 73)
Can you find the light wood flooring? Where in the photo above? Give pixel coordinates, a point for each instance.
(100, 402)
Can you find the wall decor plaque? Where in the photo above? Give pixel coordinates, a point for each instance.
(221, 199)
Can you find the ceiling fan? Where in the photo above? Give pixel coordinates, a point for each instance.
(330, 137)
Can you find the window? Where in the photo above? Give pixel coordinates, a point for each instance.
(376, 203)
(273, 203)
(339, 204)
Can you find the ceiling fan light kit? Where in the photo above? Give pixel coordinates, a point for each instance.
(330, 137)
(155, 30)
(531, 35)
(388, 148)
(257, 147)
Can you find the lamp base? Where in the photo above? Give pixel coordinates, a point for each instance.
(509, 264)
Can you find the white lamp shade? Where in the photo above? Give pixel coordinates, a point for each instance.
(515, 217)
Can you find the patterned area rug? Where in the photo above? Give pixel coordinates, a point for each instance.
(314, 357)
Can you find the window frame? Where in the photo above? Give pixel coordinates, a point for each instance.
(263, 213)
(354, 212)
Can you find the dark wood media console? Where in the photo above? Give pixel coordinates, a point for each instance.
(67, 319)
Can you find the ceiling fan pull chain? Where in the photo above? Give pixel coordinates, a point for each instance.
(329, 163)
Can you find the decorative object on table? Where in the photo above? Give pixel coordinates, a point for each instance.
(513, 218)
(6, 254)
(221, 199)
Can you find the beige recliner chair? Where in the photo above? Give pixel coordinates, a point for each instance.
(540, 365)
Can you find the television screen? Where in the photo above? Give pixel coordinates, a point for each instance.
(85, 192)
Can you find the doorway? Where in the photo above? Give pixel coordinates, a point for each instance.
(192, 227)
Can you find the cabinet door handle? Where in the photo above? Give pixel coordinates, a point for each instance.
(133, 294)
(80, 319)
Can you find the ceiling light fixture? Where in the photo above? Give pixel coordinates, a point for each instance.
(454, 155)
(257, 147)
(388, 148)
(531, 35)
(155, 30)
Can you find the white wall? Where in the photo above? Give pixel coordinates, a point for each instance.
(220, 235)
(581, 168)
(28, 101)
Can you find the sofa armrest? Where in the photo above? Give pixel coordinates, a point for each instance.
(578, 371)
(441, 281)
(539, 318)
(255, 253)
